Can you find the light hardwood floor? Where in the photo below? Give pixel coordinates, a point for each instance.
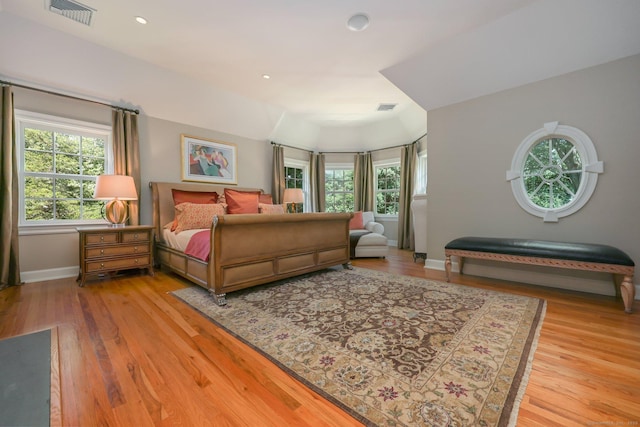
(130, 354)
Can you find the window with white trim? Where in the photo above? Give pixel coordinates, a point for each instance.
(59, 160)
(387, 177)
(296, 173)
(339, 188)
(420, 184)
(554, 171)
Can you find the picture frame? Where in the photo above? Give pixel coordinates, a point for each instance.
(208, 160)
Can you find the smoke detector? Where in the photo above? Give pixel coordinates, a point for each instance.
(358, 22)
(386, 107)
(73, 10)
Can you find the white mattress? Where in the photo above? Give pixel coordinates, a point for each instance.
(179, 241)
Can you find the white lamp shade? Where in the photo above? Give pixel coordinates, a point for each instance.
(110, 187)
(293, 195)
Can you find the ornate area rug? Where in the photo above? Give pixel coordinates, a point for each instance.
(391, 350)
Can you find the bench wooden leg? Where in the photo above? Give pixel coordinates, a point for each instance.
(628, 292)
(447, 265)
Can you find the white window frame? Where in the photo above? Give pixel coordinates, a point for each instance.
(25, 119)
(420, 182)
(301, 164)
(340, 166)
(591, 167)
(383, 164)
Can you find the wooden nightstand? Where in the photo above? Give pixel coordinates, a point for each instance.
(107, 250)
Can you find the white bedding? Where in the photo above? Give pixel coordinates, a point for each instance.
(179, 241)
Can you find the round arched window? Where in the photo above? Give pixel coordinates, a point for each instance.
(554, 171)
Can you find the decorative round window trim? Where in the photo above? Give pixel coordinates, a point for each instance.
(591, 167)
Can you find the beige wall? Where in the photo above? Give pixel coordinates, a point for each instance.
(52, 254)
(471, 145)
(160, 157)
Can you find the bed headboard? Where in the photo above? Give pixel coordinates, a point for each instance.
(162, 199)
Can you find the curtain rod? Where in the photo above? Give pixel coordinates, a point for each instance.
(349, 152)
(289, 146)
(2, 82)
(374, 150)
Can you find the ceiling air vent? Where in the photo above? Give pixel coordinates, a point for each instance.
(72, 10)
(386, 107)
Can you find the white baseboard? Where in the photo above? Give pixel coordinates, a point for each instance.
(50, 274)
(583, 281)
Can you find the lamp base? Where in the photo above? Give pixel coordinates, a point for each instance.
(116, 212)
(293, 207)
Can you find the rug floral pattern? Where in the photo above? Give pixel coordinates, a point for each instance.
(391, 350)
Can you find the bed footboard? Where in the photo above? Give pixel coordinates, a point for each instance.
(249, 250)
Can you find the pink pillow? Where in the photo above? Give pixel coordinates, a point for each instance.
(239, 202)
(356, 222)
(191, 216)
(270, 209)
(200, 197)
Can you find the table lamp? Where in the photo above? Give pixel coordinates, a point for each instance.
(115, 188)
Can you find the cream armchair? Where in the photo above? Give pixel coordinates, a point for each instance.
(375, 243)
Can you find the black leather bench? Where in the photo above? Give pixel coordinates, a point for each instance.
(577, 256)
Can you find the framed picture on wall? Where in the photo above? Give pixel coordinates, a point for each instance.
(207, 160)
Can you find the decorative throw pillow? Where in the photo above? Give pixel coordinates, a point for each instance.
(199, 197)
(270, 209)
(202, 197)
(239, 202)
(356, 222)
(190, 216)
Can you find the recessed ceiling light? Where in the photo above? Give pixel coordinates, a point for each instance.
(141, 20)
(266, 76)
(358, 22)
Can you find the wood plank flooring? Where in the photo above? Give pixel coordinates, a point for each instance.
(132, 355)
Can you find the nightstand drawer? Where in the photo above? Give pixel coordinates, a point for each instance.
(107, 251)
(136, 236)
(118, 264)
(99, 238)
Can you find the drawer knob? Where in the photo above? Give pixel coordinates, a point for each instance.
(102, 238)
(101, 251)
(135, 249)
(137, 261)
(135, 236)
(102, 265)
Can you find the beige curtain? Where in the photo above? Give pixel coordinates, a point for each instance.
(363, 191)
(408, 159)
(9, 263)
(126, 154)
(317, 180)
(278, 183)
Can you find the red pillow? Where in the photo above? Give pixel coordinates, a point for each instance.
(356, 222)
(199, 197)
(241, 201)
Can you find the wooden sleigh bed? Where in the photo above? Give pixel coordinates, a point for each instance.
(250, 249)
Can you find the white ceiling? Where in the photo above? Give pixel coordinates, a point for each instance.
(323, 76)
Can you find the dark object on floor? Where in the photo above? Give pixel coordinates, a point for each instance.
(25, 379)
